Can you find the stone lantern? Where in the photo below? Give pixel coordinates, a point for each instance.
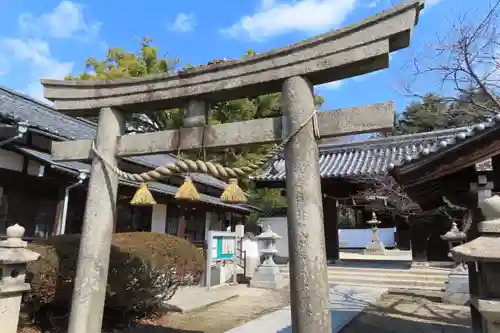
(484, 251)
(268, 274)
(375, 246)
(457, 286)
(454, 237)
(13, 259)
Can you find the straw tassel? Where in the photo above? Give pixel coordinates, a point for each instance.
(188, 191)
(143, 197)
(233, 194)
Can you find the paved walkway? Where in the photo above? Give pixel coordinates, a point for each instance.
(409, 314)
(345, 304)
(193, 298)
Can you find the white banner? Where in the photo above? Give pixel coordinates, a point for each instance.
(358, 238)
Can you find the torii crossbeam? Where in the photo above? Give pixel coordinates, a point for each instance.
(357, 49)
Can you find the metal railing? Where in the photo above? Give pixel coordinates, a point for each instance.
(241, 256)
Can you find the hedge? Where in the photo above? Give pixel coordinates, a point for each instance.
(145, 271)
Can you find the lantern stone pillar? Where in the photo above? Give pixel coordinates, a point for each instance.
(13, 259)
(268, 274)
(481, 190)
(457, 286)
(375, 246)
(484, 252)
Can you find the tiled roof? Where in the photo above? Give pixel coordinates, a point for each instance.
(18, 107)
(366, 158)
(76, 167)
(461, 137)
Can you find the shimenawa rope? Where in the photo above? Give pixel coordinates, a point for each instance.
(214, 169)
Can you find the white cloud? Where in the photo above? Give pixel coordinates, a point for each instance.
(64, 22)
(35, 54)
(4, 65)
(273, 18)
(184, 22)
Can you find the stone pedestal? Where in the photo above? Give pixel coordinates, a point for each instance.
(375, 247)
(13, 259)
(268, 274)
(457, 286)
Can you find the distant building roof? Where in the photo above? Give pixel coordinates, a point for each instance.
(366, 158)
(18, 107)
(76, 167)
(462, 137)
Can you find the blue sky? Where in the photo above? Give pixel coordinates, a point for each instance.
(50, 39)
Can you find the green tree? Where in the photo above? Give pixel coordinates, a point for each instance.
(433, 112)
(119, 63)
(422, 116)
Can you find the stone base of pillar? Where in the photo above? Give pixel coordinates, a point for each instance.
(420, 264)
(334, 262)
(490, 311)
(268, 276)
(9, 311)
(375, 247)
(457, 287)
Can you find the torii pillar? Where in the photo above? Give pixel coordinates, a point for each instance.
(361, 48)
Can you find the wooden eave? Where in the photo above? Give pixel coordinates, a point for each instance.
(449, 161)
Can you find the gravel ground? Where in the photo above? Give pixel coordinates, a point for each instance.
(393, 313)
(219, 318)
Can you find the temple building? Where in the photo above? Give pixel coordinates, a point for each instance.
(349, 169)
(55, 192)
(464, 170)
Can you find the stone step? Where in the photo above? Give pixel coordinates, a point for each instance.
(382, 280)
(423, 290)
(416, 271)
(384, 275)
(387, 276)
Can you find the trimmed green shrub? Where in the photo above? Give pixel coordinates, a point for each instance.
(146, 269)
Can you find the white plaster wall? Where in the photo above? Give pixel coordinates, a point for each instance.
(348, 238)
(159, 218)
(279, 226)
(11, 161)
(251, 247)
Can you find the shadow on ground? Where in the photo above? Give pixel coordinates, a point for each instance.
(387, 324)
(397, 314)
(155, 329)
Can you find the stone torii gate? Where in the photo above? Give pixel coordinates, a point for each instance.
(357, 49)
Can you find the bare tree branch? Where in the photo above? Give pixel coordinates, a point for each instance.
(385, 187)
(466, 59)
